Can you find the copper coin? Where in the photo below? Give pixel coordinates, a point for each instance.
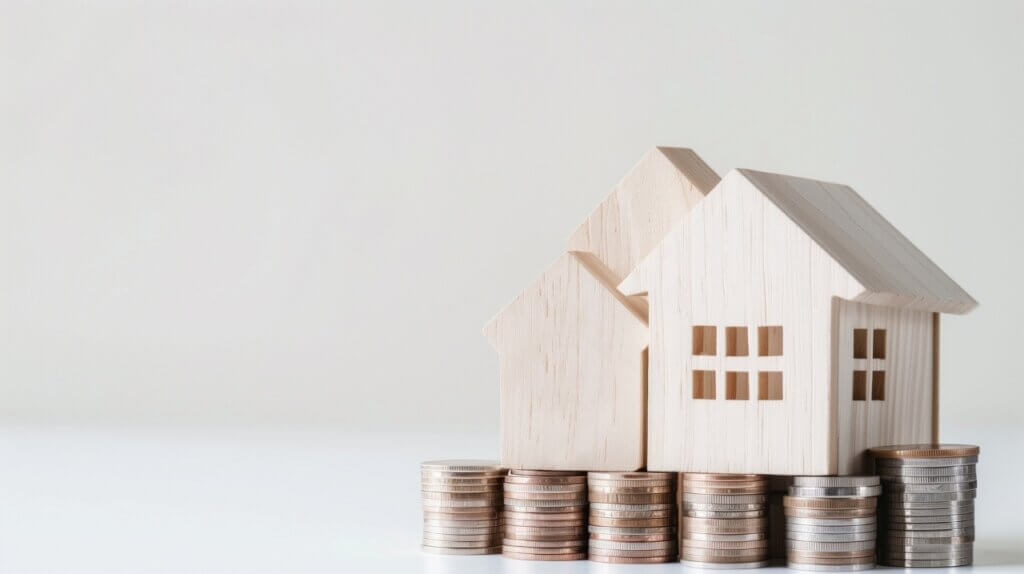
(525, 556)
(631, 553)
(632, 489)
(703, 536)
(631, 522)
(634, 559)
(443, 539)
(718, 477)
(633, 537)
(925, 451)
(546, 523)
(630, 515)
(625, 530)
(574, 549)
(549, 473)
(636, 475)
(463, 551)
(618, 507)
(545, 517)
(549, 480)
(724, 490)
(724, 515)
(829, 503)
(531, 496)
(485, 514)
(542, 488)
(833, 514)
(574, 543)
(632, 498)
(631, 483)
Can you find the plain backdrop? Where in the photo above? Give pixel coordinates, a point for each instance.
(303, 213)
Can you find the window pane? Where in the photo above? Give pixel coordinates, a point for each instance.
(736, 342)
(769, 386)
(703, 384)
(769, 341)
(737, 386)
(860, 343)
(860, 385)
(878, 344)
(704, 340)
(878, 385)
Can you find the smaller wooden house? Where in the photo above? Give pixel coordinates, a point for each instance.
(571, 348)
(791, 328)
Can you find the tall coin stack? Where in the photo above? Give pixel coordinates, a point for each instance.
(831, 523)
(545, 515)
(461, 506)
(725, 523)
(633, 517)
(927, 504)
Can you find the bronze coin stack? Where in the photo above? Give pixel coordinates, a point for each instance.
(725, 523)
(461, 506)
(831, 524)
(633, 517)
(545, 515)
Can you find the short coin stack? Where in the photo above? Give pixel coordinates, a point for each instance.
(725, 523)
(545, 515)
(927, 504)
(831, 523)
(461, 506)
(633, 517)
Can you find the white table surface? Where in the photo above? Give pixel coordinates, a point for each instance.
(140, 500)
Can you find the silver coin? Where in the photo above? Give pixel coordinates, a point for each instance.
(835, 491)
(616, 545)
(830, 546)
(820, 537)
(716, 514)
(897, 488)
(888, 479)
(862, 521)
(951, 506)
(896, 520)
(948, 461)
(938, 563)
(932, 496)
(541, 488)
(830, 567)
(758, 506)
(631, 507)
(631, 531)
(925, 555)
(831, 529)
(835, 481)
(932, 534)
(925, 526)
(723, 565)
(885, 546)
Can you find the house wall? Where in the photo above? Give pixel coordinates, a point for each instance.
(905, 413)
(737, 260)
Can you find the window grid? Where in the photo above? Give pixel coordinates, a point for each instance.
(737, 344)
(875, 341)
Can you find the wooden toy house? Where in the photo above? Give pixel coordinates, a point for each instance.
(791, 328)
(571, 348)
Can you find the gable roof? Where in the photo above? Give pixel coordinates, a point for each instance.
(890, 269)
(580, 271)
(630, 221)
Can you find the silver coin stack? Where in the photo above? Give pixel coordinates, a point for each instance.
(461, 506)
(831, 523)
(545, 515)
(633, 517)
(927, 504)
(725, 523)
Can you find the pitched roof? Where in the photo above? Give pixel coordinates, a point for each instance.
(892, 270)
(630, 221)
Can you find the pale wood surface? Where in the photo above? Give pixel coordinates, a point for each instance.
(571, 355)
(892, 270)
(737, 260)
(905, 415)
(629, 222)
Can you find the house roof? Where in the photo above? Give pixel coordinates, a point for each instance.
(891, 269)
(573, 277)
(630, 221)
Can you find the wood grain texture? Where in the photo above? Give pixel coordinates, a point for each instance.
(892, 270)
(629, 222)
(737, 260)
(905, 415)
(571, 351)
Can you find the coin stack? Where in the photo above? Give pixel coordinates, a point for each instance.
(927, 504)
(545, 515)
(725, 522)
(461, 506)
(633, 517)
(831, 523)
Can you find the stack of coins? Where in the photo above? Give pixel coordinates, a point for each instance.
(461, 506)
(725, 522)
(545, 515)
(830, 523)
(633, 517)
(927, 504)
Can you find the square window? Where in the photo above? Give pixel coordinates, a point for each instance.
(769, 341)
(703, 384)
(860, 385)
(878, 344)
(860, 343)
(737, 386)
(704, 339)
(736, 342)
(878, 385)
(769, 386)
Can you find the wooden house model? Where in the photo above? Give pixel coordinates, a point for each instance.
(571, 348)
(792, 327)
(755, 324)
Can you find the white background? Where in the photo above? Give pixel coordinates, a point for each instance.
(257, 215)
